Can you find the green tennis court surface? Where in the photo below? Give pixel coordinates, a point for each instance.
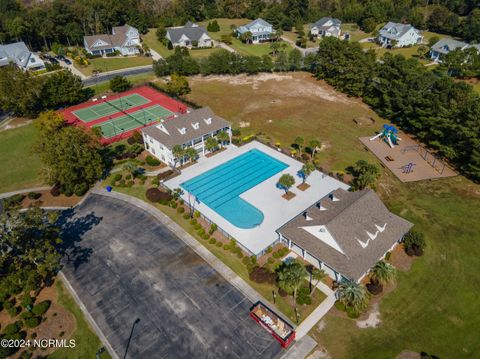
(103, 109)
(132, 121)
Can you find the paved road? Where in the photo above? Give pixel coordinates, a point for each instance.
(124, 265)
(124, 72)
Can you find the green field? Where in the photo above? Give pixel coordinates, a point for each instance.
(105, 64)
(104, 87)
(87, 343)
(225, 26)
(19, 166)
(435, 306)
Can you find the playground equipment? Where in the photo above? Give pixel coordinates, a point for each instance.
(389, 135)
(408, 168)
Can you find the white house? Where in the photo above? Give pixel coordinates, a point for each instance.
(187, 130)
(444, 46)
(125, 39)
(260, 29)
(399, 35)
(190, 35)
(19, 54)
(344, 233)
(327, 26)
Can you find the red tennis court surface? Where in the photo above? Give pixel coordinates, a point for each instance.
(119, 115)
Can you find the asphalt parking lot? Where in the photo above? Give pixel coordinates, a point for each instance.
(126, 267)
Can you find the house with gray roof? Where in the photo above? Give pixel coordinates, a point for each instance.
(327, 26)
(124, 39)
(19, 54)
(190, 35)
(260, 30)
(445, 45)
(345, 233)
(187, 130)
(399, 35)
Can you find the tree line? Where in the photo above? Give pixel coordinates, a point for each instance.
(441, 112)
(41, 24)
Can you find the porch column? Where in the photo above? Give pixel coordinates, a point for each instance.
(203, 145)
(289, 244)
(304, 253)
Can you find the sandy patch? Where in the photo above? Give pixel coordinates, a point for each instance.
(373, 319)
(319, 354)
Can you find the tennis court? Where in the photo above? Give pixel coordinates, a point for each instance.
(132, 121)
(107, 108)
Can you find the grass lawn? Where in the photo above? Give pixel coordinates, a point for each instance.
(293, 36)
(105, 64)
(356, 34)
(435, 307)
(87, 342)
(103, 87)
(229, 259)
(477, 87)
(225, 26)
(19, 166)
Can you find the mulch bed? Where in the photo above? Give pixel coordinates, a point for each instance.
(401, 260)
(289, 195)
(215, 153)
(47, 200)
(303, 186)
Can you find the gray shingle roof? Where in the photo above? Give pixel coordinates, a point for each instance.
(347, 221)
(321, 23)
(17, 52)
(444, 46)
(192, 31)
(395, 31)
(259, 22)
(173, 127)
(114, 40)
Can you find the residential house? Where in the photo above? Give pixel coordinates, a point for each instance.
(187, 130)
(19, 54)
(327, 26)
(260, 29)
(190, 35)
(124, 39)
(345, 233)
(399, 35)
(444, 46)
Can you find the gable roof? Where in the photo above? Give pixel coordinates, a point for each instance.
(395, 31)
(358, 223)
(324, 20)
(190, 30)
(19, 53)
(116, 39)
(116, 30)
(255, 23)
(196, 124)
(444, 46)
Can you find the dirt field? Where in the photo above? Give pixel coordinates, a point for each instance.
(298, 104)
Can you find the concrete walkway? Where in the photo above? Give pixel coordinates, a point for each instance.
(223, 46)
(301, 348)
(34, 189)
(73, 69)
(319, 312)
(155, 55)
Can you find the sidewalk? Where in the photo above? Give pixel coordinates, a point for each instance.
(319, 312)
(26, 190)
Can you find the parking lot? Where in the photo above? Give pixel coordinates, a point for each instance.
(126, 267)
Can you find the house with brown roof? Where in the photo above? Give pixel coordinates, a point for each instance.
(344, 233)
(124, 39)
(187, 130)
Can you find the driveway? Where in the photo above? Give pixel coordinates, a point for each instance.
(126, 267)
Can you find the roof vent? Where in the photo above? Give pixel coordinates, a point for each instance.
(196, 125)
(306, 216)
(182, 130)
(208, 121)
(332, 198)
(320, 207)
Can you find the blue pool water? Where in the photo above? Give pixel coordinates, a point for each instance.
(220, 187)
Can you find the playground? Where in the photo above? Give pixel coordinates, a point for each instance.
(405, 157)
(119, 115)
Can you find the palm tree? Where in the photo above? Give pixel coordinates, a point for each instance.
(191, 153)
(383, 272)
(223, 137)
(314, 145)
(290, 276)
(307, 170)
(130, 168)
(211, 144)
(178, 152)
(317, 275)
(353, 295)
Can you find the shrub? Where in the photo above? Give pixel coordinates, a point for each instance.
(205, 236)
(414, 243)
(152, 161)
(186, 215)
(165, 175)
(253, 259)
(182, 202)
(34, 195)
(180, 210)
(14, 200)
(117, 177)
(12, 328)
(196, 214)
(153, 194)
(303, 296)
(80, 189)
(113, 183)
(240, 255)
(130, 183)
(41, 308)
(219, 244)
(269, 249)
(213, 228)
(13, 311)
(374, 287)
(32, 322)
(155, 182)
(270, 260)
(26, 315)
(226, 247)
(201, 232)
(55, 191)
(121, 183)
(193, 221)
(197, 226)
(173, 204)
(388, 255)
(128, 177)
(212, 240)
(26, 301)
(245, 260)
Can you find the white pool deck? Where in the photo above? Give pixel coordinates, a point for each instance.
(265, 196)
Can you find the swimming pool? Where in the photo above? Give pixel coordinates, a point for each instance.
(220, 187)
